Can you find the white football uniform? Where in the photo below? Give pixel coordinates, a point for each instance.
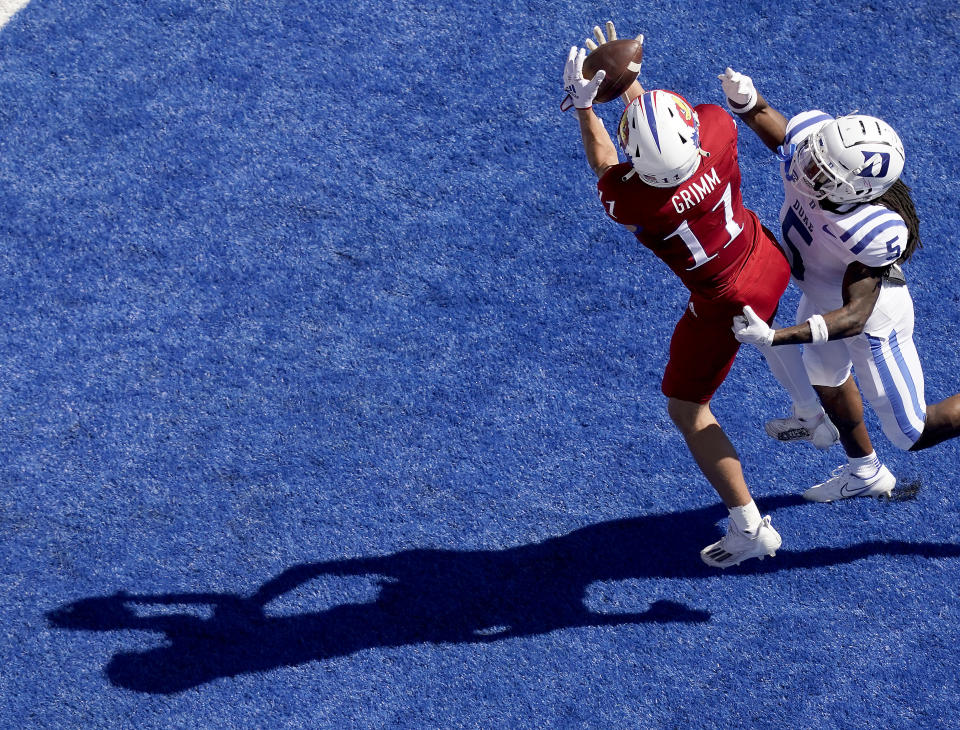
(820, 245)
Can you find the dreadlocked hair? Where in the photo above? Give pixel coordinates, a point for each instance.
(898, 199)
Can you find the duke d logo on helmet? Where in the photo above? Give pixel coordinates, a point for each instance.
(875, 164)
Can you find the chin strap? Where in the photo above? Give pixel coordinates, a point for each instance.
(786, 154)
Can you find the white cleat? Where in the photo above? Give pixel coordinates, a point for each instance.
(843, 485)
(735, 547)
(819, 430)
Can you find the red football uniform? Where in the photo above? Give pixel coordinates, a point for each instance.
(717, 247)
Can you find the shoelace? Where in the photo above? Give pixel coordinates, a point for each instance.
(841, 471)
(733, 531)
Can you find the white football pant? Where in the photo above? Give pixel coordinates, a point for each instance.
(885, 360)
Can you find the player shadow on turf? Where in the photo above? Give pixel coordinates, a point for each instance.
(430, 596)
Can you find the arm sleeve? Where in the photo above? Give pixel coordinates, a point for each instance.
(716, 116)
(876, 236)
(889, 249)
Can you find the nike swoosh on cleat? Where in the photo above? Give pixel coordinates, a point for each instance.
(847, 491)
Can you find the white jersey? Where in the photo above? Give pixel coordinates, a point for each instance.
(820, 243)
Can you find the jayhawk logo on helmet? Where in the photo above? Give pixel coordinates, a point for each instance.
(684, 108)
(687, 115)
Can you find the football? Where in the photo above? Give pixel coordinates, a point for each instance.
(621, 60)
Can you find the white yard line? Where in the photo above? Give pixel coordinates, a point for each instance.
(8, 8)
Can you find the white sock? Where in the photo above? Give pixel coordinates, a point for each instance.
(786, 364)
(865, 466)
(746, 518)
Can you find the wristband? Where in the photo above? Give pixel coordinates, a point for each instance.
(745, 107)
(818, 329)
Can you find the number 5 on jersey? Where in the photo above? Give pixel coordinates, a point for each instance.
(793, 225)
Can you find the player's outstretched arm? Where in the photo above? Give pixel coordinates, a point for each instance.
(597, 144)
(861, 287)
(744, 101)
(601, 154)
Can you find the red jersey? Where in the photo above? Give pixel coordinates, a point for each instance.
(699, 228)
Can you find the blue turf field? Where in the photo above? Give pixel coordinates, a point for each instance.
(330, 397)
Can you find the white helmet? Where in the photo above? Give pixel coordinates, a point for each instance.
(660, 133)
(850, 159)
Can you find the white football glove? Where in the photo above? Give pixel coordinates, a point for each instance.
(739, 89)
(751, 330)
(580, 92)
(611, 36)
